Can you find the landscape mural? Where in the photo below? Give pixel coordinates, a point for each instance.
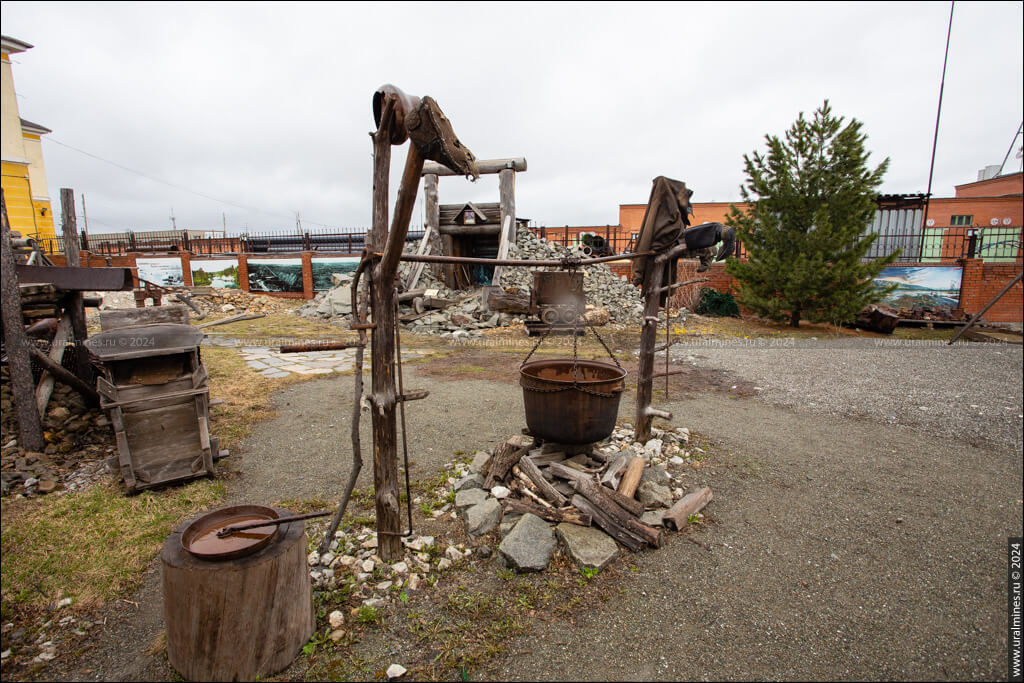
(275, 275)
(216, 273)
(931, 288)
(323, 268)
(165, 272)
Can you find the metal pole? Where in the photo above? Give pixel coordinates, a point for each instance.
(935, 138)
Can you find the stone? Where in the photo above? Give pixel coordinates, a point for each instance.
(336, 619)
(444, 563)
(588, 547)
(313, 559)
(395, 671)
(48, 485)
(453, 553)
(400, 568)
(383, 586)
(326, 559)
(653, 518)
(414, 582)
(507, 522)
(481, 518)
(469, 498)
(655, 475)
(481, 462)
(367, 565)
(652, 449)
(676, 460)
(500, 492)
(529, 545)
(472, 480)
(227, 308)
(654, 495)
(337, 635)
(59, 413)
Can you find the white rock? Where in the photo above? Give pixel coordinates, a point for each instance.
(652, 449)
(337, 635)
(64, 603)
(444, 563)
(336, 619)
(400, 568)
(367, 565)
(384, 585)
(346, 560)
(414, 582)
(676, 460)
(370, 543)
(326, 559)
(395, 671)
(677, 493)
(453, 553)
(684, 434)
(500, 492)
(313, 559)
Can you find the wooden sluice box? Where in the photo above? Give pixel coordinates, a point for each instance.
(156, 392)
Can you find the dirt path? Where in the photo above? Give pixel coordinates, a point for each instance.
(841, 548)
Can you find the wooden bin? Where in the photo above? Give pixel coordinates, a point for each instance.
(156, 393)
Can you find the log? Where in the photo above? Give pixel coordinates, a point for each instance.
(505, 302)
(45, 387)
(490, 229)
(241, 619)
(604, 496)
(651, 411)
(483, 166)
(409, 295)
(599, 518)
(65, 376)
(690, 504)
(648, 335)
(631, 479)
(507, 455)
(30, 429)
(611, 475)
(540, 458)
(550, 514)
(530, 470)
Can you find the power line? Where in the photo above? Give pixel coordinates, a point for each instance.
(175, 185)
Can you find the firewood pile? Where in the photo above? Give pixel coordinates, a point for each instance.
(617, 486)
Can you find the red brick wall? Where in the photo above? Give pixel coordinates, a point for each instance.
(982, 281)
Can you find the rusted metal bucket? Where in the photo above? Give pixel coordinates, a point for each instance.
(564, 408)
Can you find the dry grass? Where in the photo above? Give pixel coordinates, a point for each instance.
(90, 546)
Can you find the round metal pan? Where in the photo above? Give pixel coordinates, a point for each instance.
(200, 537)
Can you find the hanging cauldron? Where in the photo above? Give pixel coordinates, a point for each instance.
(571, 401)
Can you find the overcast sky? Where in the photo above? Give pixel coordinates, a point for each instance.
(265, 108)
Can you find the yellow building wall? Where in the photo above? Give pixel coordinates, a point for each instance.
(21, 212)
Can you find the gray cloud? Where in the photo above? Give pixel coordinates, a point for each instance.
(267, 105)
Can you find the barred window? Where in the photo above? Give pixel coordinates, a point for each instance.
(961, 220)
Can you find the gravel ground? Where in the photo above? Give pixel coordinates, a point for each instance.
(844, 544)
(970, 392)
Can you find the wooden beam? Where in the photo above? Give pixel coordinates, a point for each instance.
(484, 166)
(689, 504)
(631, 479)
(648, 335)
(30, 429)
(45, 388)
(417, 270)
(503, 243)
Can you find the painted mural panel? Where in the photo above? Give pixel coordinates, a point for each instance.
(323, 268)
(934, 288)
(216, 273)
(275, 274)
(165, 272)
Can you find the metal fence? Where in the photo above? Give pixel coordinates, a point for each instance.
(119, 244)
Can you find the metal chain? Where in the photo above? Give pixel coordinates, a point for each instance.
(536, 346)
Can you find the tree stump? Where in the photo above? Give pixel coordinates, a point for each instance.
(238, 619)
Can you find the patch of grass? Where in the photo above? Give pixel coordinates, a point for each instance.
(368, 614)
(94, 545)
(589, 572)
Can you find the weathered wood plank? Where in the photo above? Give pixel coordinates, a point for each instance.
(631, 479)
(45, 387)
(507, 455)
(151, 315)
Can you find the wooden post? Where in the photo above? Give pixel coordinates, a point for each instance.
(30, 430)
(73, 302)
(507, 199)
(433, 222)
(648, 335)
(385, 437)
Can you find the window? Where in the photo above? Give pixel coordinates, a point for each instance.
(961, 220)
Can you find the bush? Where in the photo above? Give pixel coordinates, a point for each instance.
(713, 302)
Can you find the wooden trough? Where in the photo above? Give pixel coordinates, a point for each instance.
(156, 391)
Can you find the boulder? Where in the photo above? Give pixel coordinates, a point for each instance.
(469, 497)
(654, 495)
(588, 547)
(483, 517)
(529, 546)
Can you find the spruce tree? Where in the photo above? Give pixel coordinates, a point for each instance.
(811, 197)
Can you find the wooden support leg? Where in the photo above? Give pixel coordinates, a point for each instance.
(648, 335)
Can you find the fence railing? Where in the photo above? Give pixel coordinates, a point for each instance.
(347, 243)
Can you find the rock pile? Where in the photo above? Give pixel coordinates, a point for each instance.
(621, 490)
(454, 313)
(208, 300)
(78, 442)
